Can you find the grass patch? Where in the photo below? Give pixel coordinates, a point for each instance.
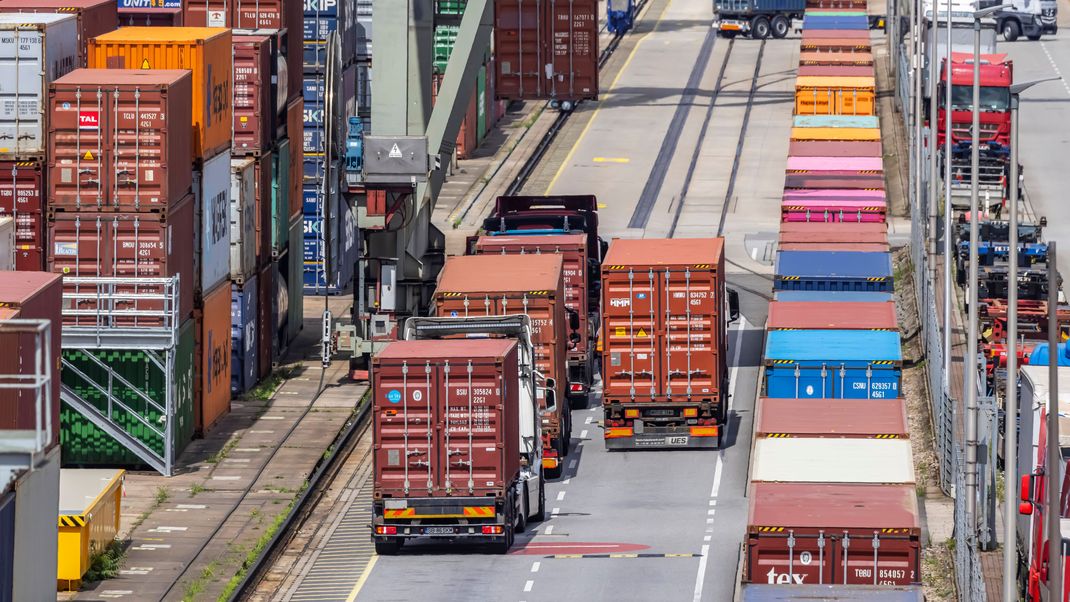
(106, 564)
(255, 552)
(162, 495)
(198, 488)
(218, 457)
(195, 587)
(267, 387)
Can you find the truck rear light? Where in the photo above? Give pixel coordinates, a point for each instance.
(704, 431)
(550, 463)
(690, 412)
(620, 431)
(492, 530)
(631, 413)
(381, 530)
(575, 388)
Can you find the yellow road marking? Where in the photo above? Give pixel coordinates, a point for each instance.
(363, 578)
(613, 84)
(602, 205)
(612, 160)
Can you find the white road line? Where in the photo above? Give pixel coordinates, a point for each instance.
(566, 481)
(701, 572)
(588, 421)
(583, 434)
(555, 511)
(530, 584)
(717, 477)
(735, 358)
(535, 566)
(560, 495)
(1066, 85)
(707, 537)
(548, 530)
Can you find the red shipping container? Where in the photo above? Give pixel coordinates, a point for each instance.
(816, 315)
(833, 233)
(208, 13)
(843, 534)
(295, 123)
(823, 148)
(265, 321)
(265, 174)
(831, 418)
(151, 17)
(125, 245)
(119, 139)
(95, 17)
(21, 191)
(211, 401)
(260, 14)
(29, 296)
(254, 111)
(424, 442)
(546, 50)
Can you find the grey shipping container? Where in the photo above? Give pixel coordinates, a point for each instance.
(211, 185)
(36, 537)
(34, 50)
(243, 238)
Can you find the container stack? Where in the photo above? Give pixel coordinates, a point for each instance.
(832, 469)
(329, 253)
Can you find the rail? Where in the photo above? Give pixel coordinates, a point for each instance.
(121, 313)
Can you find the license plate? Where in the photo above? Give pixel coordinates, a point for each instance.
(661, 412)
(675, 440)
(438, 530)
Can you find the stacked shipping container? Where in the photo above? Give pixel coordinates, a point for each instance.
(830, 464)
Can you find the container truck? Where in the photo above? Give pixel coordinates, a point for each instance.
(664, 357)
(757, 18)
(497, 285)
(457, 453)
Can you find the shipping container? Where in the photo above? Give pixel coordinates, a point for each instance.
(244, 346)
(846, 364)
(84, 444)
(834, 134)
(799, 232)
(35, 50)
(118, 141)
(280, 201)
(834, 180)
(839, 22)
(835, 96)
(820, 164)
(265, 177)
(836, 120)
(573, 251)
(799, 148)
(343, 247)
(265, 319)
(847, 534)
(837, 71)
(204, 51)
(294, 122)
(664, 341)
(796, 315)
(831, 296)
(295, 268)
(816, 34)
(211, 186)
(481, 104)
(833, 44)
(321, 17)
(835, 58)
(831, 418)
(764, 592)
(94, 17)
(860, 210)
(150, 17)
(212, 398)
(250, 14)
(254, 101)
(281, 308)
(7, 244)
(243, 241)
(21, 193)
(7, 546)
(35, 496)
(29, 296)
(847, 270)
(546, 50)
(125, 245)
(90, 510)
(832, 460)
(207, 13)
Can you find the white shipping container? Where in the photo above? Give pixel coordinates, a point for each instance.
(243, 238)
(35, 49)
(799, 460)
(211, 185)
(7, 244)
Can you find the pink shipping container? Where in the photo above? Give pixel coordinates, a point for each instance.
(28, 296)
(833, 211)
(818, 164)
(832, 194)
(95, 17)
(119, 139)
(546, 50)
(21, 192)
(254, 110)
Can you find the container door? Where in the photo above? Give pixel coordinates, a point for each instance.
(469, 452)
(875, 380)
(571, 46)
(784, 557)
(406, 410)
(793, 381)
(689, 356)
(877, 559)
(519, 47)
(631, 329)
(574, 272)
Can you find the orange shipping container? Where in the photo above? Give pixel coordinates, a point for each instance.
(836, 134)
(206, 51)
(835, 96)
(213, 359)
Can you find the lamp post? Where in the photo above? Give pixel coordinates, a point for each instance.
(1010, 432)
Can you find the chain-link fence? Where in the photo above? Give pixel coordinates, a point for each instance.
(968, 576)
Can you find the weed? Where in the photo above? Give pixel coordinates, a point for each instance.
(162, 495)
(254, 553)
(195, 587)
(198, 488)
(276, 489)
(218, 457)
(256, 514)
(106, 564)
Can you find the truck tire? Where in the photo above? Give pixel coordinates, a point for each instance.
(1011, 30)
(389, 547)
(525, 508)
(780, 27)
(759, 28)
(502, 547)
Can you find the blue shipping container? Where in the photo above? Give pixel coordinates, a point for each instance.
(320, 19)
(838, 22)
(834, 296)
(833, 271)
(342, 246)
(760, 592)
(1039, 356)
(244, 350)
(835, 121)
(826, 364)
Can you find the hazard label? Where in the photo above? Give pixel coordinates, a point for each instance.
(145, 64)
(395, 152)
(641, 333)
(88, 156)
(621, 331)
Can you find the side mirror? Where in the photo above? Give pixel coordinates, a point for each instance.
(470, 245)
(1026, 488)
(573, 319)
(1025, 508)
(733, 305)
(603, 246)
(550, 395)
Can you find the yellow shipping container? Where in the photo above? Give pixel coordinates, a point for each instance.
(835, 134)
(835, 95)
(90, 503)
(206, 51)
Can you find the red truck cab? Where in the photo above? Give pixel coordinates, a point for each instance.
(997, 75)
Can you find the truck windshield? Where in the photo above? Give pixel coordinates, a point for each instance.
(993, 98)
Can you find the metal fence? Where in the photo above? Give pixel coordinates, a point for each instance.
(968, 575)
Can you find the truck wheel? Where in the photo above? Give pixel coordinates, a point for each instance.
(1011, 30)
(389, 547)
(759, 28)
(525, 508)
(780, 26)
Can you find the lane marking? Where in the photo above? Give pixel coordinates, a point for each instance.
(528, 585)
(612, 160)
(588, 421)
(567, 481)
(548, 530)
(363, 578)
(560, 495)
(583, 434)
(1051, 59)
(733, 381)
(717, 477)
(555, 511)
(535, 566)
(701, 572)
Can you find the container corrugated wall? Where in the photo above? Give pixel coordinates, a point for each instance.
(213, 359)
(243, 241)
(244, 346)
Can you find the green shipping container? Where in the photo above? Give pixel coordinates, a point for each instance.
(86, 445)
(296, 279)
(445, 39)
(481, 104)
(280, 201)
(450, 7)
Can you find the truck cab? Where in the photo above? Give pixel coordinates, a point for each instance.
(1029, 18)
(997, 75)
